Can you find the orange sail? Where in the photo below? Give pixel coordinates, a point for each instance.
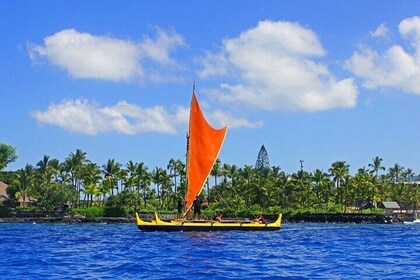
(204, 146)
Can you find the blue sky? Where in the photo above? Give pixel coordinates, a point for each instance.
(318, 81)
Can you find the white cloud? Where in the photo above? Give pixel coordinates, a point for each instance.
(159, 49)
(213, 65)
(86, 117)
(220, 119)
(411, 26)
(86, 56)
(396, 67)
(381, 31)
(276, 63)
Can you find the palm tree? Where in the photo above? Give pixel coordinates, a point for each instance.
(73, 164)
(248, 174)
(260, 188)
(408, 174)
(181, 169)
(145, 179)
(47, 170)
(91, 177)
(158, 178)
(112, 171)
(384, 187)
(225, 182)
(376, 166)
(103, 189)
(302, 182)
(215, 171)
(340, 172)
(398, 192)
(275, 183)
(132, 179)
(232, 174)
(63, 176)
(140, 178)
(321, 182)
(166, 190)
(121, 179)
(395, 172)
(414, 195)
(363, 188)
(56, 167)
(24, 182)
(91, 190)
(175, 167)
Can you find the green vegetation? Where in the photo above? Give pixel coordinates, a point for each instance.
(114, 189)
(7, 155)
(90, 212)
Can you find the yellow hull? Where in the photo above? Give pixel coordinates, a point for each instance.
(178, 225)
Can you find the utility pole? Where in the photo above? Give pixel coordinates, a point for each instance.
(301, 168)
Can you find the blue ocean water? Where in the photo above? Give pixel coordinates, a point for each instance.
(297, 251)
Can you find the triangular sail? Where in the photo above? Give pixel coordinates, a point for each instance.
(205, 143)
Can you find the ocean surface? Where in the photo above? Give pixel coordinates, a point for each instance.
(297, 251)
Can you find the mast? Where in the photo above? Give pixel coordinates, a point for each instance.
(187, 155)
(203, 146)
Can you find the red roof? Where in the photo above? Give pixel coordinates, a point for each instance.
(3, 187)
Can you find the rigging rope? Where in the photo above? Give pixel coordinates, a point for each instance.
(226, 204)
(224, 201)
(244, 203)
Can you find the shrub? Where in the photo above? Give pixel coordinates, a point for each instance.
(5, 212)
(115, 212)
(255, 208)
(89, 212)
(275, 210)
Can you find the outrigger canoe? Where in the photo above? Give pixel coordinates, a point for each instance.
(203, 146)
(157, 224)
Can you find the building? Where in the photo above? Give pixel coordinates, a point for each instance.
(7, 201)
(4, 198)
(390, 207)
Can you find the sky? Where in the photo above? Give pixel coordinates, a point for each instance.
(318, 81)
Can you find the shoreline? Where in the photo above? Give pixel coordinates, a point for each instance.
(68, 220)
(350, 218)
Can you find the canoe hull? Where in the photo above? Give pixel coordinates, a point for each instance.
(203, 228)
(175, 225)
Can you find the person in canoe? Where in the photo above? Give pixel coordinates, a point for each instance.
(218, 216)
(260, 218)
(181, 203)
(197, 207)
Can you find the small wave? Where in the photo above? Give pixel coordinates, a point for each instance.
(298, 251)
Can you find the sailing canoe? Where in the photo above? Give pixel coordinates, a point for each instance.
(203, 146)
(181, 225)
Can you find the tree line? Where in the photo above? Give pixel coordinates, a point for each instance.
(79, 182)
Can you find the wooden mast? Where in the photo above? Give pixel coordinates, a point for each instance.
(187, 158)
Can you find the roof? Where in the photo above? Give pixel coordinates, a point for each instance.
(4, 196)
(366, 204)
(3, 187)
(390, 205)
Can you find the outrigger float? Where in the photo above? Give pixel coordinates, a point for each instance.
(203, 147)
(157, 224)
